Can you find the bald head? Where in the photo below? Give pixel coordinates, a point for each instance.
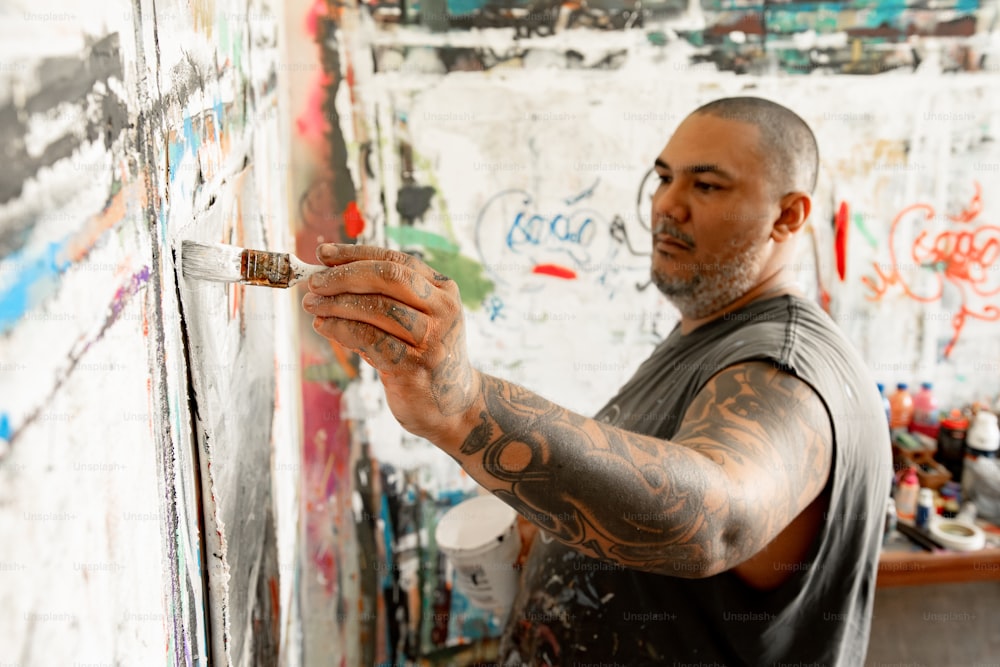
(787, 145)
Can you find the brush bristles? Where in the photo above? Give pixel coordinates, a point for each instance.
(214, 261)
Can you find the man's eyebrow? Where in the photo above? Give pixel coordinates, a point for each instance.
(699, 169)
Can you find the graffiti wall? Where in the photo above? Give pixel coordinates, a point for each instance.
(144, 419)
(509, 144)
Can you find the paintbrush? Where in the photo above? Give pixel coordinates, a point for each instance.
(219, 262)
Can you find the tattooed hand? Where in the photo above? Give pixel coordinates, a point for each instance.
(404, 319)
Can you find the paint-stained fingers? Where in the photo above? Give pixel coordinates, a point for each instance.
(379, 349)
(388, 315)
(334, 254)
(393, 280)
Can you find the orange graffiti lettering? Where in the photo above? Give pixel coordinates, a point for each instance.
(961, 256)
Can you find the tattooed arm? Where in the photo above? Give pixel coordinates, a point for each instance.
(753, 451)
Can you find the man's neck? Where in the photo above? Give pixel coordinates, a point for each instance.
(775, 285)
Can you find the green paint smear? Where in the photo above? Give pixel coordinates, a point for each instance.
(329, 372)
(859, 222)
(413, 236)
(467, 273)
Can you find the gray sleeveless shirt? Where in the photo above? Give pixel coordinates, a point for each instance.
(576, 610)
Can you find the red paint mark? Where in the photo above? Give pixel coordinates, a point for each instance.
(841, 226)
(962, 256)
(354, 222)
(824, 300)
(272, 585)
(349, 77)
(554, 270)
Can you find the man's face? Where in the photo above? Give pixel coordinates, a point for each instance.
(712, 215)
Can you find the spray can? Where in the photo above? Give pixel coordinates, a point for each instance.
(951, 443)
(925, 508)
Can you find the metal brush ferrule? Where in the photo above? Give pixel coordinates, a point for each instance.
(270, 269)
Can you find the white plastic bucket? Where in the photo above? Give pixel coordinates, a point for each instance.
(480, 538)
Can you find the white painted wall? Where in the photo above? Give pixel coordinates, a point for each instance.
(522, 142)
(148, 510)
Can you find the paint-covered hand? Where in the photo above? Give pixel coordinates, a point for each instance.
(404, 319)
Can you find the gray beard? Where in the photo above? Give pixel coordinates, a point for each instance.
(705, 293)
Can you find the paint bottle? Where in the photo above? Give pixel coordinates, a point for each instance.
(951, 499)
(900, 408)
(925, 508)
(906, 495)
(982, 441)
(951, 443)
(925, 411)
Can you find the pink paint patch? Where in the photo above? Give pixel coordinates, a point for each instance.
(312, 17)
(312, 124)
(555, 270)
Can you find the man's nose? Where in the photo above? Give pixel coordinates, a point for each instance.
(669, 202)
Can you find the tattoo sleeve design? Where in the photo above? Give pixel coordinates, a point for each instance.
(752, 452)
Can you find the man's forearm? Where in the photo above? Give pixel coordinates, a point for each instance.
(637, 500)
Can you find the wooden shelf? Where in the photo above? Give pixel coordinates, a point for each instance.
(917, 568)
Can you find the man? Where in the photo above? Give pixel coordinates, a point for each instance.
(726, 506)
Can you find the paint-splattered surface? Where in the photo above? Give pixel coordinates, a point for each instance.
(130, 427)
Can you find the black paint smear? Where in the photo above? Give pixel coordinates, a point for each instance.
(412, 202)
(396, 600)
(114, 122)
(63, 80)
(343, 187)
(265, 637)
(403, 502)
(364, 527)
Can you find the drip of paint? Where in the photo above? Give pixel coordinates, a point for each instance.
(554, 270)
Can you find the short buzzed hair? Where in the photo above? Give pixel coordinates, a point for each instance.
(787, 145)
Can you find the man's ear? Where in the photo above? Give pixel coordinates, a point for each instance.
(795, 208)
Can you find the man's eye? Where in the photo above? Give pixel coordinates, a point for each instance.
(666, 179)
(702, 185)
